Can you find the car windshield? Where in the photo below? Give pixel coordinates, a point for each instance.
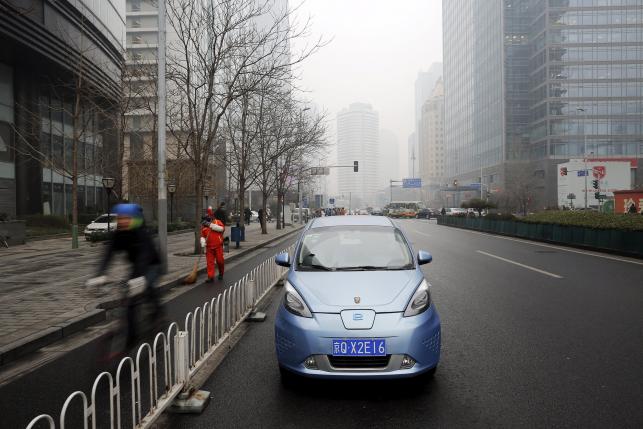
(103, 219)
(354, 248)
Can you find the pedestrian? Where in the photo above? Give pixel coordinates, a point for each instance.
(443, 211)
(212, 230)
(221, 213)
(132, 238)
(247, 213)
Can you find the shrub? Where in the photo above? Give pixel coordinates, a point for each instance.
(49, 221)
(588, 219)
(500, 216)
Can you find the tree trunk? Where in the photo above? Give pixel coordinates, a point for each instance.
(264, 206)
(242, 204)
(279, 197)
(199, 210)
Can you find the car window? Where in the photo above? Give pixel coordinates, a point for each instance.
(103, 219)
(354, 247)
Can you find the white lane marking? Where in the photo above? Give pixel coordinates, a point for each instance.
(551, 246)
(547, 273)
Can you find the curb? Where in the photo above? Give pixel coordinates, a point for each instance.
(31, 343)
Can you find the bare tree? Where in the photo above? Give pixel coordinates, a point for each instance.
(220, 55)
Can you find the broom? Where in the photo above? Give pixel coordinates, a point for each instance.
(191, 278)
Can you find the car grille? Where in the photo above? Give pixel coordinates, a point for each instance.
(359, 361)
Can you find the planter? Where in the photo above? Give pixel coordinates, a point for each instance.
(611, 240)
(14, 231)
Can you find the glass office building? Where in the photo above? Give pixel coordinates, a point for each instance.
(557, 76)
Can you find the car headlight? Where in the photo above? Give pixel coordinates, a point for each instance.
(294, 302)
(420, 301)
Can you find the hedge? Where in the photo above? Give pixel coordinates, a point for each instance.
(587, 219)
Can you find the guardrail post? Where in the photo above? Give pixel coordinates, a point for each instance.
(254, 316)
(189, 400)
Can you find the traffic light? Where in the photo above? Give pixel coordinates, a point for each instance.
(455, 182)
(597, 195)
(563, 171)
(595, 184)
(355, 166)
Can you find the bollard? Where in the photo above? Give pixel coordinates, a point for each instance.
(254, 316)
(189, 400)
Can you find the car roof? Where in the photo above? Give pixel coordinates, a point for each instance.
(321, 222)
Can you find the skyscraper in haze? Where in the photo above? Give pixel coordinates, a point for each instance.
(358, 140)
(522, 96)
(424, 84)
(431, 149)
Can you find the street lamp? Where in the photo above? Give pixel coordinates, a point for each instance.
(171, 188)
(580, 109)
(108, 184)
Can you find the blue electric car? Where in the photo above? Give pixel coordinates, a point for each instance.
(356, 303)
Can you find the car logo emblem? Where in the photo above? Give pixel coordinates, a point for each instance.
(358, 316)
(357, 299)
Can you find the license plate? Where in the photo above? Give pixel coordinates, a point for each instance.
(359, 347)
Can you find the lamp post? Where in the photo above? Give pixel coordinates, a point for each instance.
(171, 188)
(580, 109)
(108, 184)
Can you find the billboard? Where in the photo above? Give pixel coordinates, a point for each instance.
(572, 178)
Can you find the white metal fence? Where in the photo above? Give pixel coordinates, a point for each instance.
(170, 364)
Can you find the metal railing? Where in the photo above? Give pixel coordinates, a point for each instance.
(205, 329)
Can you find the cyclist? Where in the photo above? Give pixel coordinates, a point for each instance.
(132, 237)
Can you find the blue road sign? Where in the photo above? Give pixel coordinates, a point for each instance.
(331, 201)
(412, 183)
(581, 173)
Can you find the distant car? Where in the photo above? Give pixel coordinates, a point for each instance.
(453, 211)
(425, 214)
(99, 225)
(362, 212)
(254, 216)
(377, 212)
(356, 304)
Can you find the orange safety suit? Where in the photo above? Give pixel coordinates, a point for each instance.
(212, 242)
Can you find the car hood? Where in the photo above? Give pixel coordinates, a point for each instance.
(332, 292)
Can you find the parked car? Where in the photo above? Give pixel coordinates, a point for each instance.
(356, 304)
(377, 212)
(99, 226)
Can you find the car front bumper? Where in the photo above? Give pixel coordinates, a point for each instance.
(297, 338)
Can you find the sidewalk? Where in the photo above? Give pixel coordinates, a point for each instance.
(42, 294)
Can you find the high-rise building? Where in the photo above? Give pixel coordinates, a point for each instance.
(358, 140)
(48, 49)
(523, 96)
(424, 84)
(432, 152)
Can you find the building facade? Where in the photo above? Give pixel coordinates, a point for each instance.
(432, 153)
(49, 50)
(559, 79)
(424, 84)
(358, 140)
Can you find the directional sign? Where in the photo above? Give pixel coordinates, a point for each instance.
(414, 182)
(319, 171)
(331, 201)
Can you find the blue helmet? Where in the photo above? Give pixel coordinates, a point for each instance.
(130, 210)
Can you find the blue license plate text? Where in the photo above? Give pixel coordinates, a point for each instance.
(359, 347)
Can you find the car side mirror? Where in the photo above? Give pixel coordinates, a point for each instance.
(283, 259)
(424, 257)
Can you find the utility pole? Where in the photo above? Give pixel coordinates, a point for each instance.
(162, 94)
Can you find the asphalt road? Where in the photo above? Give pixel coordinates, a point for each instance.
(533, 336)
(45, 388)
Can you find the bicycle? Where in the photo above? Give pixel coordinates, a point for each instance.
(138, 315)
(4, 240)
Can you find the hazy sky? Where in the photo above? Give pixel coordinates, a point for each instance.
(376, 49)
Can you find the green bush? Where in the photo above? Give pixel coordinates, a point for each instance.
(587, 219)
(46, 221)
(498, 216)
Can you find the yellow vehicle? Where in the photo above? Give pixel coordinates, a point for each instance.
(404, 209)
